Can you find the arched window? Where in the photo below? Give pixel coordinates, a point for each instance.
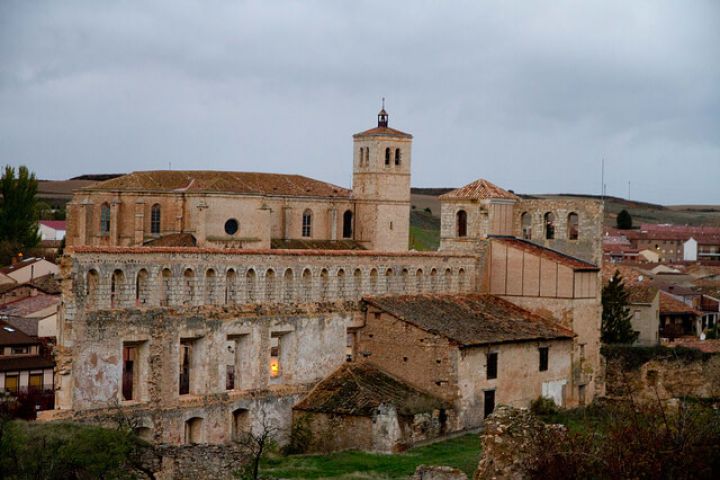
(572, 226)
(347, 230)
(549, 225)
(117, 283)
(341, 284)
(357, 283)
(526, 225)
(433, 280)
(230, 277)
(389, 280)
(461, 281)
(141, 288)
(307, 223)
(270, 285)
(404, 280)
(250, 285)
(462, 223)
(397, 157)
(155, 219)
(307, 285)
(210, 285)
(373, 281)
(91, 287)
(165, 287)
(289, 285)
(447, 280)
(362, 157)
(419, 281)
(367, 156)
(188, 286)
(105, 219)
(387, 157)
(324, 284)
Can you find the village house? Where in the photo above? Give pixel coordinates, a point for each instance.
(29, 269)
(24, 370)
(644, 304)
(205, 303)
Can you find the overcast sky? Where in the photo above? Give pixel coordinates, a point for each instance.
(530, 95)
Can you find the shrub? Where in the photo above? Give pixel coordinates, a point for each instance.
(542, 406)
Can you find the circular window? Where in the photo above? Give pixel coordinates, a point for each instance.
(231, 226)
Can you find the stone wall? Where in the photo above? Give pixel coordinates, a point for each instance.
(668, 375)
(510, 443)
(121, 278)
(190, 462)
(588, 245)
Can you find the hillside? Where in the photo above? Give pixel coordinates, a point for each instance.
(425, 214)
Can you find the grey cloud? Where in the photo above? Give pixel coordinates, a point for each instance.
(528, 94)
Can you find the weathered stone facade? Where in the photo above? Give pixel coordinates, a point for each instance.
(199, 343)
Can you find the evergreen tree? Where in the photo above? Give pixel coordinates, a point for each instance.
(18, 211)
(624, 220)
(616, 326)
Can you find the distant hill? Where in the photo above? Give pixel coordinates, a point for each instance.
(424, 199)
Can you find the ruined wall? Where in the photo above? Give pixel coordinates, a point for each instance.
(510, 444)
(664, 377)
(312, 345)
(588, 245)
(519, 380)
(329, 433)
(187, 277)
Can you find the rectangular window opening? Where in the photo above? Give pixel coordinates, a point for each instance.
(492, 363)
(544, 351)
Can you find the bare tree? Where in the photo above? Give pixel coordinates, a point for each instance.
(255, 443)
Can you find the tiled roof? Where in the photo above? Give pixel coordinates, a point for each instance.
(641, 293)
(471, 319)
(173, 240)
(670, 305)
(382, 131)
(24, 363)
(360, 388)
(204, 181)
(630, 275)
(54, 224)
(19, 265)
(555, 256)
(295, 244)
(479, 189)
(10, 335)
(47, 283)
(28, 305)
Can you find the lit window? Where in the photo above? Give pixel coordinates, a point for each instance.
(274, 357)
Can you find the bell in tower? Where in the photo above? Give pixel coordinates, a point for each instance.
(383, 116)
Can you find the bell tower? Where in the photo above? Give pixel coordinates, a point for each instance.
(381, 186)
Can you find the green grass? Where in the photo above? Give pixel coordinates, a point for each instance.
(461, 452)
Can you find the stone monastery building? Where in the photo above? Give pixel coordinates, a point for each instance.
(205, 303)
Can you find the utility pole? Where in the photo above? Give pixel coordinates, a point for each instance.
(602, 180)
(628, 197)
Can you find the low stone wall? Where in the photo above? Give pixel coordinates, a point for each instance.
(649, 374)
(510, 444)
(430, 472)
(190, 462)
